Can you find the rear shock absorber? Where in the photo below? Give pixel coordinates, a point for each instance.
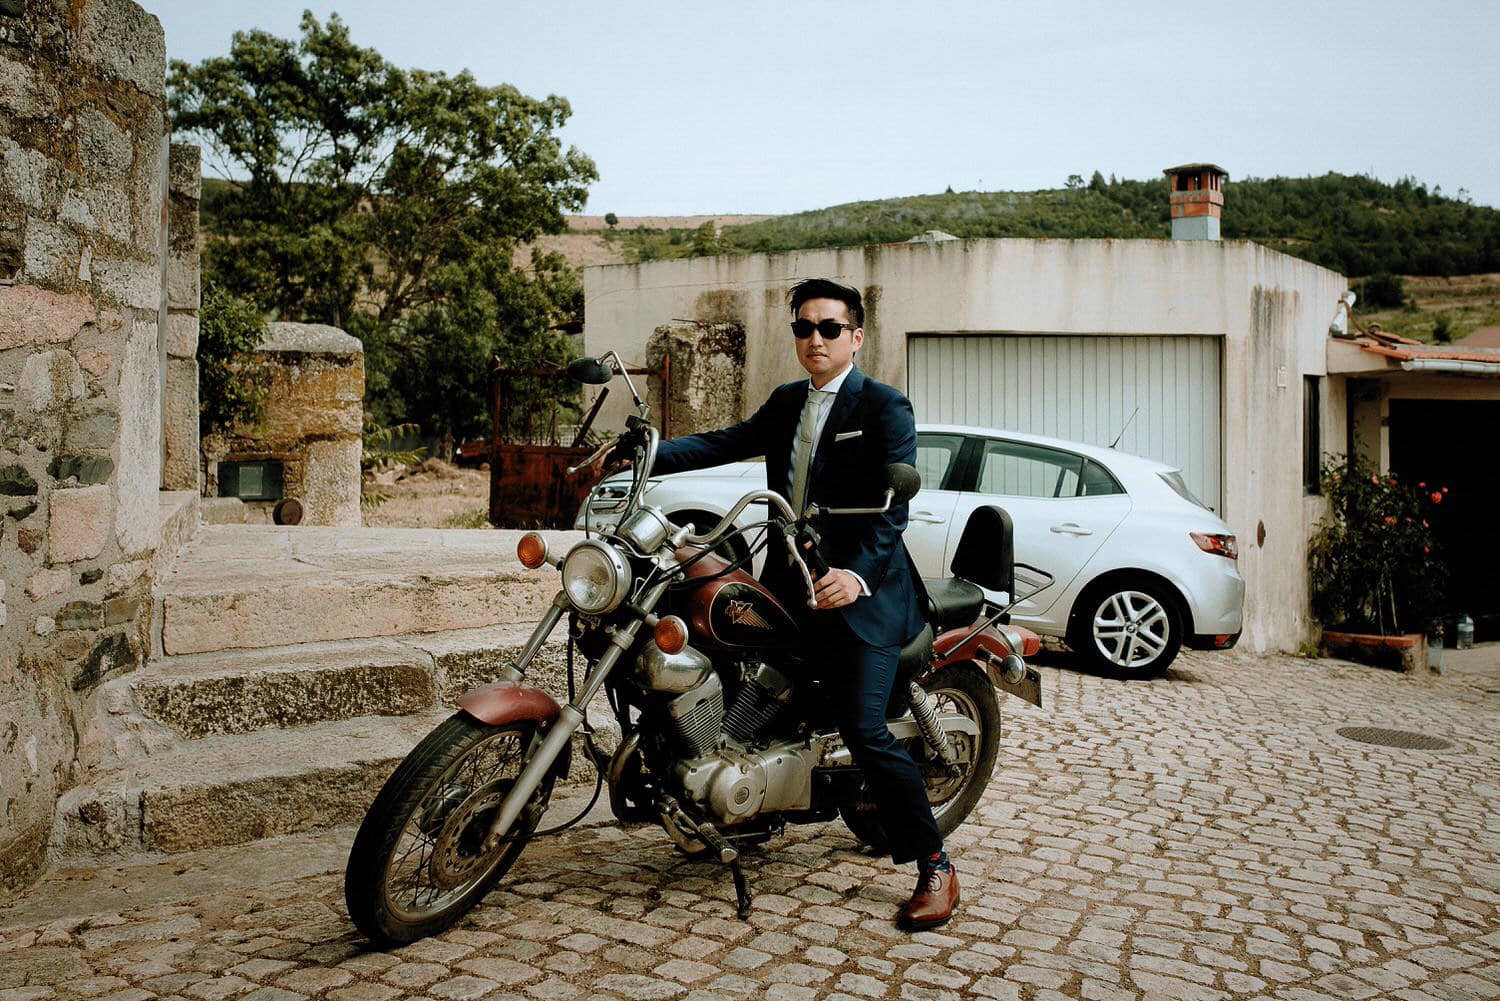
(927, 721)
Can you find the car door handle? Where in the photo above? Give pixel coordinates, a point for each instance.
(925, 517)
(1071, 528)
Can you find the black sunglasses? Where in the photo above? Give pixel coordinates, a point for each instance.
(829, 330)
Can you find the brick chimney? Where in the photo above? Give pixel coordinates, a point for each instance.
(1197, 200)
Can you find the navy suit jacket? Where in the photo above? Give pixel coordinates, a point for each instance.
(869, 426)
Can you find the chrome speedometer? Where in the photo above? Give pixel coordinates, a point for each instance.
(595, 577)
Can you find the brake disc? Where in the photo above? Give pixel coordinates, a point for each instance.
(457, 855)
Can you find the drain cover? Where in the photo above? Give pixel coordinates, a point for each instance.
(1405, 739)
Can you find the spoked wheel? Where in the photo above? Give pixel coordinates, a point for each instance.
(952, 790)
(418, 863)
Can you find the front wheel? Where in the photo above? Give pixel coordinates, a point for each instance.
(418, 862)
(952, 790)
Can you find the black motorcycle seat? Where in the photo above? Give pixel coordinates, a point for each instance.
(952, 602)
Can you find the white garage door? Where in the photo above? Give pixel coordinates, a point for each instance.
(1084, 388)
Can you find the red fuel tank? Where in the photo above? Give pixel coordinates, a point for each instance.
(732, 612)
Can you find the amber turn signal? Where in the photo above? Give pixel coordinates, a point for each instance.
(671, 635)
(531, 550)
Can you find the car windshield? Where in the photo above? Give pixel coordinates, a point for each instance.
(1179, 486)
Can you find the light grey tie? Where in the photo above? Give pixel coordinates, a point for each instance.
(806, 432)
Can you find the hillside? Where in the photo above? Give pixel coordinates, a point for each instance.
(1356, 225)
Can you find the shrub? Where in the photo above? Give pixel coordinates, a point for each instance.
(1374, 559)
(1383, 291)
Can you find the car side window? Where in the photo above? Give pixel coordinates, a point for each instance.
(936, 455)
(1097, 482)
(1016, 469)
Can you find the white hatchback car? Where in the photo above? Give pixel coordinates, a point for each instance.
(1140, 565)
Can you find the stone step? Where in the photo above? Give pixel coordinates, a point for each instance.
(239, 691)
(231, 789)
(252, 586)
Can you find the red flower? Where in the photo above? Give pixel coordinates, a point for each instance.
(1422, 486)
(1426, 551)
(1390, 519)
(1375, 480)
(1437, 498)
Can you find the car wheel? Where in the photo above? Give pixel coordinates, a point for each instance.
(730, 549)
(1128, 626)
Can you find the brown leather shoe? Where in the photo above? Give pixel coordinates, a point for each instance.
(933, 901)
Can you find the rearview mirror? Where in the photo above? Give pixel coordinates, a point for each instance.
(591, 371)
(903, 480)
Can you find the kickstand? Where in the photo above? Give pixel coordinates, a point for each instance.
(741, 890)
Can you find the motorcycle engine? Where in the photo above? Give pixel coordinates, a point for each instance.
(763, 691)
(717, 763)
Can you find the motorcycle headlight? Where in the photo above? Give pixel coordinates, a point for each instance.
(595, 577)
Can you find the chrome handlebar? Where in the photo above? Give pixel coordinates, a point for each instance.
(773, 499)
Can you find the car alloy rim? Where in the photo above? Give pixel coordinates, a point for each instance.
(1131, 628)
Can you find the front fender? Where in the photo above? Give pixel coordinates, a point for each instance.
(511, 702)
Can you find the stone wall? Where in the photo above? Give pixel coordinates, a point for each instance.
(83, 178)
(313, 420)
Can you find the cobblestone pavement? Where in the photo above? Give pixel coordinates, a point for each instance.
(1207, 835)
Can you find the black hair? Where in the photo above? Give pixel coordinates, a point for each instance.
(823, 288)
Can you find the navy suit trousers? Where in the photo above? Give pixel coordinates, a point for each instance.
(858, 680)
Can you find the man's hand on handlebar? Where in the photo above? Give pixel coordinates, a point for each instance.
(605, 461)
(835, 589)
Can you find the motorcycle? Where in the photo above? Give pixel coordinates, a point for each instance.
(720, 741)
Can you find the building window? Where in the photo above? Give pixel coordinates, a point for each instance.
(1312, 435)
(251, 481)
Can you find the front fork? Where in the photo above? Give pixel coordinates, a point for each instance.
(571, 717)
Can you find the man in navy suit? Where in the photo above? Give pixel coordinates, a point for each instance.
(829, 439)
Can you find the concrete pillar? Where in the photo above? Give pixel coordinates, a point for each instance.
(181, 466)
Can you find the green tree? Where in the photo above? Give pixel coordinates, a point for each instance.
(377, 198)
(231, 383)
(611, 220)
(706, 241)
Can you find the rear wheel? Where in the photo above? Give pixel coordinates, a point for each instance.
(418, 863)
(952, 790)
(1129, 626)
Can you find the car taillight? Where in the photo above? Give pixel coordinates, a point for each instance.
(1218, 545)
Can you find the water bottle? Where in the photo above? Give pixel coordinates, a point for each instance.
(1465, 633)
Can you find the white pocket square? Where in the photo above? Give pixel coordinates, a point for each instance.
(846, 435)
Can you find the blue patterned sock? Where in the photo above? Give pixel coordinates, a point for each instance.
(936, 862)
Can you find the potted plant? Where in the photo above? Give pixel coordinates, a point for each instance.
(1376, 579)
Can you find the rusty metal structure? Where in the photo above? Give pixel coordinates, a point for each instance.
(529, 486)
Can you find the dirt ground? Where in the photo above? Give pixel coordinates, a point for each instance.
(431, 494)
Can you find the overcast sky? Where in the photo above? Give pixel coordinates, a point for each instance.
(772, 107)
